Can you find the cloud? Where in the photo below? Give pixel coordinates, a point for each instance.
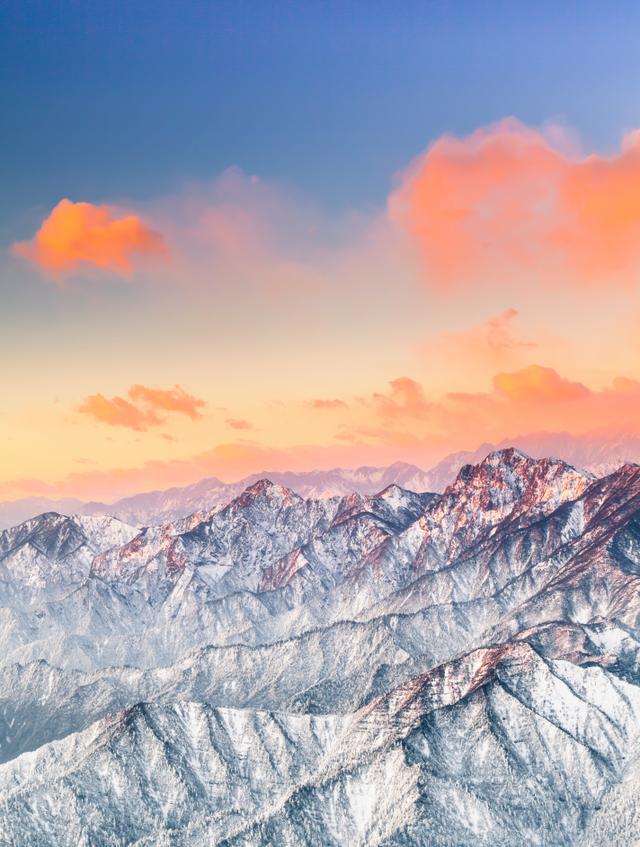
(510, 196)
(537, 384)
(25, 487)
(142, 413)
(504, 198)
(622, 385)
(237, 231)
(175, 399)
(498, 333)
(77, 236)
(405, 399)
(529, 399)
(321, 403)
(469, 354)
(243, 230)
(399, 424)
(238, 423)
(116, 411)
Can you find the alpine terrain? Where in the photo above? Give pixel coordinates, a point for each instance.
(395, 668)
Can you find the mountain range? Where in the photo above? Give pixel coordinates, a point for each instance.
(600, 453)
(395, 668)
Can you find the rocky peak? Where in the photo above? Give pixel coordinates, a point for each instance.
(507, 484)
(265, 492)
(509, 478)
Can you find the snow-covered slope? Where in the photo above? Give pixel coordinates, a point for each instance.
(370, 669)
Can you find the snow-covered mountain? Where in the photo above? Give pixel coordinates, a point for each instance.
(601, 453)
(391, 668)
(156, 507)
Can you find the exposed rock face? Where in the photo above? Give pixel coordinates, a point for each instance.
(393, 669)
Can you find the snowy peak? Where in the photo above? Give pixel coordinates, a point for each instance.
(264, 493)
(50, 534)
(57, 536)
(508, 481)
(55, 550)
(515, 473)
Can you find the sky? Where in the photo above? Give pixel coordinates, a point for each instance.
(251, 236)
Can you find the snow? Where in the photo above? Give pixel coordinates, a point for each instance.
(367, 669)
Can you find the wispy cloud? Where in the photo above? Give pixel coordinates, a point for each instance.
(405, 399)
(239, 423)
(327, 403)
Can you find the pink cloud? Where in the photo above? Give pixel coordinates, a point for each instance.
(496, 342)
(506, 196)
(401, 423)
(499, 335)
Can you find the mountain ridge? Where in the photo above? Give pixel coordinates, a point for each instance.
(595, 452)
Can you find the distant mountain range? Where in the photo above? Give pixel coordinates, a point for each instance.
(396, 669)
(600, 454)
(156, 507)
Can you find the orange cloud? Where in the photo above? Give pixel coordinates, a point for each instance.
(116, 411)
(81, 235)
(534, 398)
(320, 403)
(506, 196)
(536, 384)
(239, 423)
(175, 399)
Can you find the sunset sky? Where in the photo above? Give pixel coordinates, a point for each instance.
(253, 236)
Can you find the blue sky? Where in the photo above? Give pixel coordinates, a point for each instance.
(129, 99)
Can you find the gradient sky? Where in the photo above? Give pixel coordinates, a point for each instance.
(275, 235)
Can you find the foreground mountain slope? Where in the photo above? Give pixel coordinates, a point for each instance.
(444, 759)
